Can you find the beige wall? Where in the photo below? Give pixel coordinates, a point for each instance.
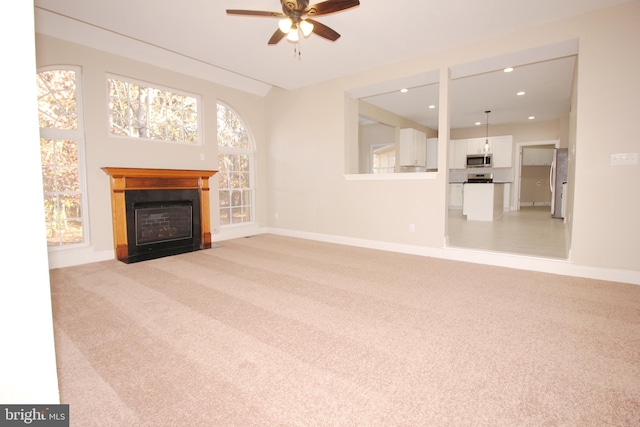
(305, 147)
(103, 150)
(317, 198)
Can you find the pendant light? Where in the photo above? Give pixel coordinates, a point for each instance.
(486, 141)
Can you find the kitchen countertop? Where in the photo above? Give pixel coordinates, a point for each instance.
(494, 182)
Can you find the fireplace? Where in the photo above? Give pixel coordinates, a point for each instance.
(162, 223)
(159, 212)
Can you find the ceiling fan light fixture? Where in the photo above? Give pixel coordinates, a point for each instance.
(306, 28)
(292, 36)
(285, 25)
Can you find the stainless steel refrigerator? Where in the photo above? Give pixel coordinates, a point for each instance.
(557, 179)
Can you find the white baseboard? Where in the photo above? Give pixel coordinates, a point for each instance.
(535, 204)
(86, 255)
(521, 262)
(70, 257)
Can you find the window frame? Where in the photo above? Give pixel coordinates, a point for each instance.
(383, 150)
(199, 111)
(251, 153)
(77, 135)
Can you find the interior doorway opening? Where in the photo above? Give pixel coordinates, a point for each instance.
(531, 177)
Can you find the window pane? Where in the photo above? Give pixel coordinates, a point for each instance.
(224, 198)
(239, 215)
(236, 198)
(225, 216)
(50, 207)
(57, 107)
(61, 179)
(67, 179)
(223, 180)
(231, 131)
(234, 175)
(71, 232)
(66, 152)
(70, 206)
(142, 111)
(48, 179)
(53, 237)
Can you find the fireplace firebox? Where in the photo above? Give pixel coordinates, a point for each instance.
(162, 223)
(159, 212)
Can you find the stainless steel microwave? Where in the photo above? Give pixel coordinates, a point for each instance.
(479, 160)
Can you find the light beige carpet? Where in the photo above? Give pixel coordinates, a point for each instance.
(276, 331)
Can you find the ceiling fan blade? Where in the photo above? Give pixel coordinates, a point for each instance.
(276, 37)
(330, 6)
(254, 13)
(324, 31)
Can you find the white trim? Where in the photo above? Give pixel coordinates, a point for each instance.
(520, 262)
(236, 231)
(64, 28)
(150, 85)
(77, 135)
(86, 255)
(250, 152)
(515, 204)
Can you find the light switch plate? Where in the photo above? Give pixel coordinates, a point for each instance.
(622, 159)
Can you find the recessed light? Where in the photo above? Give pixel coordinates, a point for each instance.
(521, 93)
(532, 117)
(432, 106)
(508, 69)
(405, 90)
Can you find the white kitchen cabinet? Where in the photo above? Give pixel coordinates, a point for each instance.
(483, 202)
(507, 196)
(537, 156)
(502, 149)
(476, 145)
(458, 154)
(413, 147)
(432, 153)
(455, 195)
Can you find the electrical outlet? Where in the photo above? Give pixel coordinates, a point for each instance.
(622, 159)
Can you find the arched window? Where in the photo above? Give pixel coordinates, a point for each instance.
(62, 155)
(235, 175)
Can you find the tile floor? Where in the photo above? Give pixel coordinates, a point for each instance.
(529, 231)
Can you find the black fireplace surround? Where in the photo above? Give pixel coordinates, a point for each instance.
(162, 223)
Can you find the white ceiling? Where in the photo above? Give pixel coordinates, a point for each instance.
(197, 37)
(546, 85)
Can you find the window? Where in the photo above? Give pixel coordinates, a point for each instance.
(141, 111)
(61, 150)
(383, 158)
(235, 174)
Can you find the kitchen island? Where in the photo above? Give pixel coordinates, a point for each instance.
(483, 201)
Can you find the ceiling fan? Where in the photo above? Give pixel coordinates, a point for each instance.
(296, 17)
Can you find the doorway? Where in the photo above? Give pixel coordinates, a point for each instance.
(531, 178)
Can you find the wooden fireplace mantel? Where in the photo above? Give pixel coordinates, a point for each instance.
(123, 179)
